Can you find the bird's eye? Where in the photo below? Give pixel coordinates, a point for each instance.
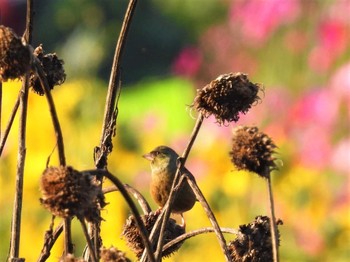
(156, 153)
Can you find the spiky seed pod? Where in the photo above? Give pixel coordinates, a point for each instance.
(15, 57)
(67, 192)
(113, 254)
(53, 68)
(133, 238)
(226, 96)
(253, 242)
(253, 151)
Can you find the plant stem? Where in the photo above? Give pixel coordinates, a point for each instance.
(113, 93)
(172, 195)
(17, 205)
(54, 117)
(93, 255)
(137, 195)
(50, 239)
(194, 233)
(10, 122)
(273, 226)
(210, 215)
(144, 234)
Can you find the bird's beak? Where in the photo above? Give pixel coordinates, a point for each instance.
(148, 156)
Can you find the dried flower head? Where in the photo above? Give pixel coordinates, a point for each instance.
(253, 150)
(133, 238)
(253, 242)
(53, 68)
(226, 96)
(67, 192)
(14, 55)
(113, 254)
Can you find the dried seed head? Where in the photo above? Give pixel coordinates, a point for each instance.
(14, 55)
(253, 242)
(226, 96)
(53, 68)
(133, 238)
(112, 254)
(67, 192)
(253, 151)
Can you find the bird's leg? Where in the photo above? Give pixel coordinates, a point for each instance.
(158, 211)
(183, 222)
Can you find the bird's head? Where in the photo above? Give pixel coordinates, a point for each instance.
(162, 157)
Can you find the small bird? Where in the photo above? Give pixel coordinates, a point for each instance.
(164, 165)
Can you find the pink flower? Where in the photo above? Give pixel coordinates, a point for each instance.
(332, 42)
(340, 85)
(313, 147)
(258, 19)
(340, 158)
(188, 62)
(317, 107)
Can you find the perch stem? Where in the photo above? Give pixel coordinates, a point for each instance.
(181, 164)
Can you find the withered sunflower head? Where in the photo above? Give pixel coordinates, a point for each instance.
(131, 233)
(53, 68)
(226, 97)
(113, 254)
(15, 57)
(67, 192)
(253, 242)
(253, 151)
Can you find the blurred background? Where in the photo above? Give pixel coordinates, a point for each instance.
(299, 50)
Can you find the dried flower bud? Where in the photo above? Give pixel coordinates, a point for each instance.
(252, 150)
(53, 68)
(253, 242)
(133, 238)
(67, 192)
(14, 55)
(226, 96)
(112, 254)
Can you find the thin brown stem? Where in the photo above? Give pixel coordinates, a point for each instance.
(173, 193)
(68, 243)
(114, 89)
(137, 195)
(17, 205)
(54, 117)
(10, 122)
(197, 232)
(92, 253)
(60, 145)
(210, 215)
(99, 173)
(50, 239)
(273, 225)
